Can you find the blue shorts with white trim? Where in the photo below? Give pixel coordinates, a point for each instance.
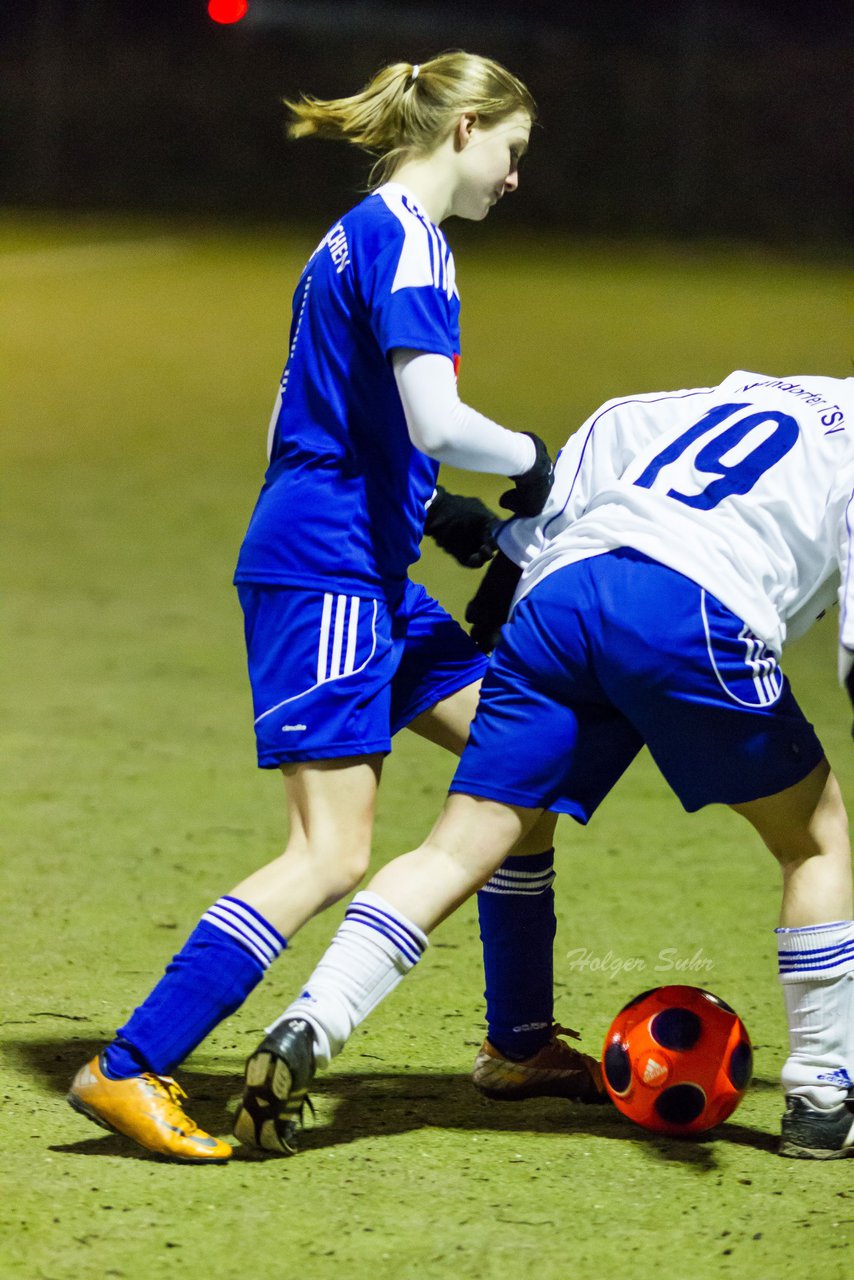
(617, 651)
(335, 675)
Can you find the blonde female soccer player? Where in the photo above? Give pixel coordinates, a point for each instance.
(343, 650)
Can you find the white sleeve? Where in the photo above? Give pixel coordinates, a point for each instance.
(845, 555)
(444, 428)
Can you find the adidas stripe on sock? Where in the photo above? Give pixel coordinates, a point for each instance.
(816, 964)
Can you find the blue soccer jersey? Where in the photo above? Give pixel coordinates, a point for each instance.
(345, 492)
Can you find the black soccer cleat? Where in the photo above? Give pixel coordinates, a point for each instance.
(811, 1133)
(275, 1090)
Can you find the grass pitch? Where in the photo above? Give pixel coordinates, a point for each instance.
(141, 362)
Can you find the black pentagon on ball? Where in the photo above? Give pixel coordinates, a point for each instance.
(637, 999)
(740, 1065)
(680, 1104)
(618, 1068)
(676, 1028)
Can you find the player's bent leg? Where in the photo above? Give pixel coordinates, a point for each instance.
(471, 838)
(382, 937)
(806, 829)
(447, 723)
(227, 954)
(524, 1054)
(516, 913)
(146, 1108)
(331, 815)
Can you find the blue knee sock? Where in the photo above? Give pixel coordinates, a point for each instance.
(223, 959)
(517, 929)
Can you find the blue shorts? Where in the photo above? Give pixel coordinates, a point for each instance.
(336, 675)
(617, 651)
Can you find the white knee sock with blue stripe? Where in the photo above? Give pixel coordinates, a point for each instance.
(374, 948)
(817, 973)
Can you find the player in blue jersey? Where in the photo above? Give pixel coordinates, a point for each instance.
(343, 650)
(689, 535)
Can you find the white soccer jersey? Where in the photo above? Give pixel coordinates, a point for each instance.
(746, 488)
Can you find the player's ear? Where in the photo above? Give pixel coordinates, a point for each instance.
(466, 126)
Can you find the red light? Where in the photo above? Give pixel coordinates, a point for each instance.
(227, 11)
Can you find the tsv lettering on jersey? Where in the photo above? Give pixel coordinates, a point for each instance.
(336, 243)
(830, 415)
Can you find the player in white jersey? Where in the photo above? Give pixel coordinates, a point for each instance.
(343, 649)
(688, 536)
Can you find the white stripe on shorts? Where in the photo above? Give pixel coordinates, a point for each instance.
(767, 676)
(344, 632)
(352, 633)
(338, 637)
(323, 647)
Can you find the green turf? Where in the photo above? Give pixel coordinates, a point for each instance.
(139, 368)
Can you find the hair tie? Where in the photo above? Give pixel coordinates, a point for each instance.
(413, 75)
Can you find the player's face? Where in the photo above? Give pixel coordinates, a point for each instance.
(488, 162)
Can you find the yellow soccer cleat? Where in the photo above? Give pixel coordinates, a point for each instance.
(148, 1109)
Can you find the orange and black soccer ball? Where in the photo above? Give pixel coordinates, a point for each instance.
(677, 1060)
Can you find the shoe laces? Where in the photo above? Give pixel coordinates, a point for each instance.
(172, 1091)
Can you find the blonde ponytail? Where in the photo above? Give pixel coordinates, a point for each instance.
(409, 109)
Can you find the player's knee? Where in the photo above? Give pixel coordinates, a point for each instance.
(796, 847)
(344, 870)
(354, 868)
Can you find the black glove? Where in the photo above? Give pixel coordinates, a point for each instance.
(849, 685)
(462, 527)
(488, 610)
(533, 486)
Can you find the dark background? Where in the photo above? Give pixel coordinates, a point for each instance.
(678, 118)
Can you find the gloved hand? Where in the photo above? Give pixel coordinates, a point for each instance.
(462, 527)
(532, 487)
(489, 608)
(849, 685)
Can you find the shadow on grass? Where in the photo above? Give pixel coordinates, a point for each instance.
(52, 1063)
(373, 1104)
(377, 1104)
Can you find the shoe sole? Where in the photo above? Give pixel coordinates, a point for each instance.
(81, 1108)
(268, 1087)
(522, 1092)
(795, 1152)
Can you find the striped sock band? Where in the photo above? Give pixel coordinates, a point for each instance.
(509, 880)
(223, 959)
(372, 912)
(248, 927)
(817, 951)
